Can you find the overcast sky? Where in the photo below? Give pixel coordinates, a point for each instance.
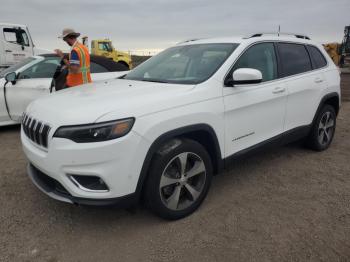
(158, 24)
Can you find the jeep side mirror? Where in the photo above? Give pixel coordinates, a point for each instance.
(245, 76)
(11, 77)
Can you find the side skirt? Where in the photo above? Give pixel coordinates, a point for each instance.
(279, 140)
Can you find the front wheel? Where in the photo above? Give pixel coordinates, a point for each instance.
(122, 66)
(179, 179)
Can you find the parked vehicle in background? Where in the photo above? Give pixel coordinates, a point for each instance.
(340, 53)
(35, 77)
(104, 47)
(16, 44)
(345, 48)
(164, 129)
(333, 50)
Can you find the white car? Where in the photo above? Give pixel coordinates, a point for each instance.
(161, 132)
(34, 78)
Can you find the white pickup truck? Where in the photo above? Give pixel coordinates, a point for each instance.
(16, 44)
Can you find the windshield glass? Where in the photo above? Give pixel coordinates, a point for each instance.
(16, 66)
(189, 64)
(105, 46)
(43, 69)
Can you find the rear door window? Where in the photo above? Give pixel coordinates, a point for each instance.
(294, 59)
(318, 59)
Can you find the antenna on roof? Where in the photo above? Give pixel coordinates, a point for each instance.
(279, 30)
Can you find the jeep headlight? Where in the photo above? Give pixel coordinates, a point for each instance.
(96, 132)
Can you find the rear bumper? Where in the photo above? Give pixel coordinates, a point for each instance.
(56, 190)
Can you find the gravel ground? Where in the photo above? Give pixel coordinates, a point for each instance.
(287, 204)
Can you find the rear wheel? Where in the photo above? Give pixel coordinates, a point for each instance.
(179, 179)
(322, 131)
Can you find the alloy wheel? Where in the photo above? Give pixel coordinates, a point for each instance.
(182, 181)
(326, 128)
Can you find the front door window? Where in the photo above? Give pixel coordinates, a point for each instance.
(261, 57)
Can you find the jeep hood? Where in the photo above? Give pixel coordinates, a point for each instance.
(123, 98)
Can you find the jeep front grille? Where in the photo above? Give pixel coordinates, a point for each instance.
(35, 130)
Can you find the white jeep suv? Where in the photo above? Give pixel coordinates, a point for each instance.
(160, 132)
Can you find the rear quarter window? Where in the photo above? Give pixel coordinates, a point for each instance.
(294, 59)
(317, 57)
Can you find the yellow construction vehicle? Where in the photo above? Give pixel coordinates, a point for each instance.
(333, 51)
(104, 47)
(345, 48)
(340, 53)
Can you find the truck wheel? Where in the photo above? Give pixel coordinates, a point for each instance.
(179, 179)
(322, 132)
(123, 66)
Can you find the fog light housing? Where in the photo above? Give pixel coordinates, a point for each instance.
(89, 183)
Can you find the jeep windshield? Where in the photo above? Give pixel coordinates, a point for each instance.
(188, 64)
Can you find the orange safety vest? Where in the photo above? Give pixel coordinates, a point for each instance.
(83, 77)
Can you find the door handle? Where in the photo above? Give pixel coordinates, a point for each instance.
(8, 51)
(278, 90)
(318, 80)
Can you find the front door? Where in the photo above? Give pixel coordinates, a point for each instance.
(254, 113)
(32, 83)
(3, 111)
(20, 95)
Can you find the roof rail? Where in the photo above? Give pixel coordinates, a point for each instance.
(189, 40)
(278, 34)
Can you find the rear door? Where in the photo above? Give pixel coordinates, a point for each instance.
(303, 83)
(32, 83)
(17, 44)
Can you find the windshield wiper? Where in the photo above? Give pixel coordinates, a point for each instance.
(153, 80)
(121, 77)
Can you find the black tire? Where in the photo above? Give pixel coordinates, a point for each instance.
(314, 140)
(123, 66)
(168, 160)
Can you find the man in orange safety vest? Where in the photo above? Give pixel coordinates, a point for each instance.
(79, 59)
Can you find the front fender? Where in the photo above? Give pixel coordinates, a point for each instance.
(161, 127)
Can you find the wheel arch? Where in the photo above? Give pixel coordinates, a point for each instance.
(329, 99)
(123, 62)
(202, 133)
(333, 100)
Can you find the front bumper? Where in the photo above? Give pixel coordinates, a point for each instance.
(55, 190)
(117, 162)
